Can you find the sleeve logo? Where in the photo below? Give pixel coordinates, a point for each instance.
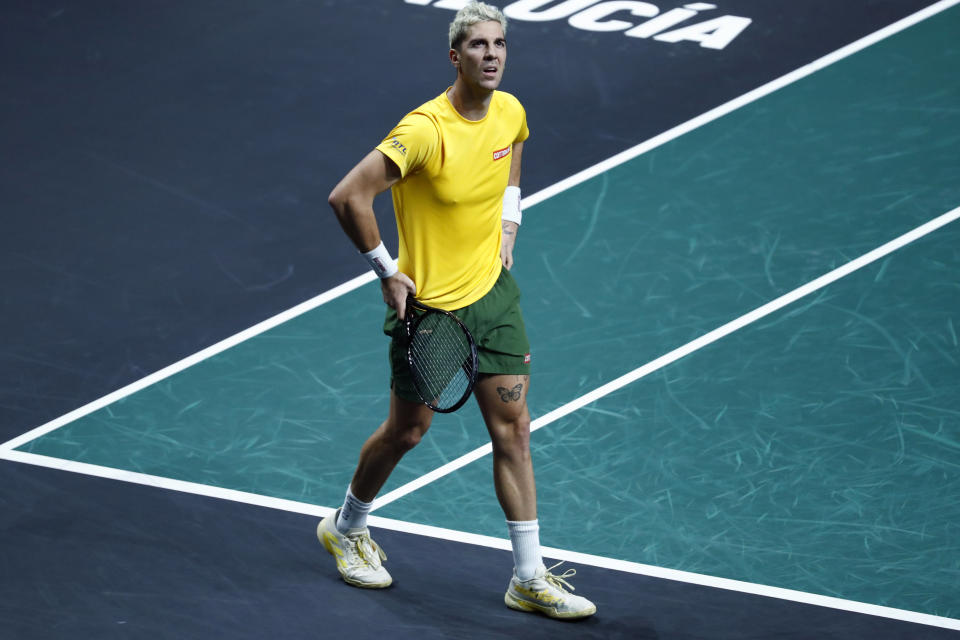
(399, 146)
(501, 153)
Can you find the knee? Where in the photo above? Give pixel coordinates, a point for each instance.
(409, 439)
(512, 437)
(404, 437)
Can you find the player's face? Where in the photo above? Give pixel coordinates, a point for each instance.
(482, 55)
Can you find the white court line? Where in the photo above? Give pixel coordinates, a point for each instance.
(687, 349)
(736, 103)
(529, 201)
(485, 541)
(7, 449)
(189, 361)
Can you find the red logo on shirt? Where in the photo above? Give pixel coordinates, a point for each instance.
(502, 153)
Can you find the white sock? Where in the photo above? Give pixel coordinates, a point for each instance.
(525, 540)
(353, 514)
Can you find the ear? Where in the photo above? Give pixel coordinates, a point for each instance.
(455, 58)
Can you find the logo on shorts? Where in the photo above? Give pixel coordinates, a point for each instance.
(501, 153)
(526, 358)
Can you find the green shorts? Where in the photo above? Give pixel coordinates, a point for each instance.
(496, 324)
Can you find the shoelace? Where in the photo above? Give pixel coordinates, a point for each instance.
(362, 543)
(560, 581)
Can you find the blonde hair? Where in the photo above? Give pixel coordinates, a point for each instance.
(470, 15)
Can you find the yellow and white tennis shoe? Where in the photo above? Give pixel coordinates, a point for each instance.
(359, 558)
(548, 594)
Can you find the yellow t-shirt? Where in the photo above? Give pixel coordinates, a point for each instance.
(449, 200)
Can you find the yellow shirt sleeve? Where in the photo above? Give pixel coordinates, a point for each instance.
(524, 131)
(412, 143)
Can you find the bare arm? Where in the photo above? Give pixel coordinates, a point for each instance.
(352, 198)
(510, 228)
(352, 202)
(515, 157)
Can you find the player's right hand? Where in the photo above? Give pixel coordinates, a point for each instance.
(395, 289)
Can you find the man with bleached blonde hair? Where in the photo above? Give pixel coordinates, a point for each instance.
(453, 166)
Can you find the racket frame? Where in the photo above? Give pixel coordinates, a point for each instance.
(411, 322)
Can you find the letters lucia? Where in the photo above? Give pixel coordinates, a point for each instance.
(645, 19)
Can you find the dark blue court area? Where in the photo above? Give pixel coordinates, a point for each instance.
(164, 187)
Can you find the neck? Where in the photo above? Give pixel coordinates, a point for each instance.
(470, 102)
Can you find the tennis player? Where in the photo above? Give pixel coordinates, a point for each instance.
(453, 165)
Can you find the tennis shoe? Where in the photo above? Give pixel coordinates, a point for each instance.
(548, 594)
(359, 558)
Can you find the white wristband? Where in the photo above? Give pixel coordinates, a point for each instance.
(381, 262)
(511, 205)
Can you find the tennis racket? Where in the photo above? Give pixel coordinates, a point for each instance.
(442, 356)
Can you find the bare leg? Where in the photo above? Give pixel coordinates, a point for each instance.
(503, 402)
(359, 559)
(401, 431)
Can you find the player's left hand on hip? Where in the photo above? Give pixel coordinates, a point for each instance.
(506, 245)
(506, 256)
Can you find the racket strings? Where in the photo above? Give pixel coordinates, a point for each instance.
(441, 360)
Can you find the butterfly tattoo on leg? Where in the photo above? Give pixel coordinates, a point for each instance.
(510, 395)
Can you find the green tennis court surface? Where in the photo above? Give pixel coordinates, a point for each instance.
(817, 450)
